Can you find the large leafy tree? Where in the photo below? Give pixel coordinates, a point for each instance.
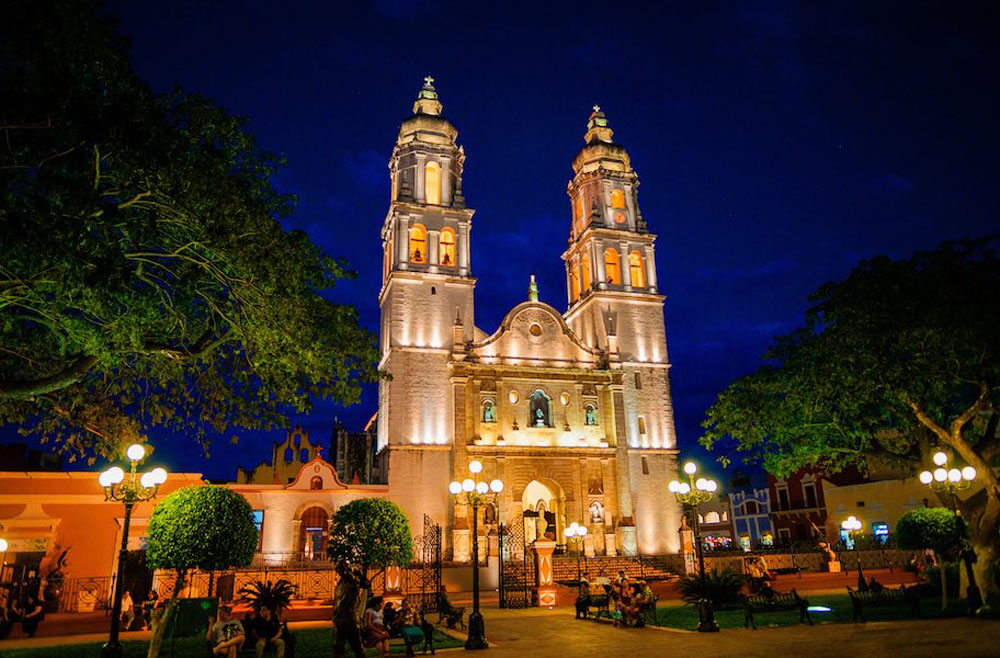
(145, 275)
(198, 527)
(373, 532)
(900, 359)
(936, 528)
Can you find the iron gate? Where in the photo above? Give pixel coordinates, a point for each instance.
(425, 582)
(517, 565)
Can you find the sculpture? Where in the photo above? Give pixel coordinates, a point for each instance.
(591, 416)
(489, 414)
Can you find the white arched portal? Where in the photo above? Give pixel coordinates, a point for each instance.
(546, 497)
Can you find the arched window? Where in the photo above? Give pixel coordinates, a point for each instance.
(635, 270)
(304, 455)
(574, 283)
(611, 272)
(316, 483)
(725, 516)
(750, 507)
(432, 184)
(585, 272)
(418, 244)
(447, 246)
(539, 409)
(313, 533)
(289, 455)
(712, 517)
(618, 206)
(387, 260)
(578, 212)
(489, 412)
(701, 519)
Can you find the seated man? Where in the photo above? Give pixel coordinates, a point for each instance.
(268, 631)
(225, 637)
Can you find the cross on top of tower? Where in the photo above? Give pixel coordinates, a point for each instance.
(428, 80)
(597, 108)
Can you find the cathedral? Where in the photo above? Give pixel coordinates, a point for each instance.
(570, 410)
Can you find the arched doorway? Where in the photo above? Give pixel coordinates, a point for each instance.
(546, 498)
(312, 533)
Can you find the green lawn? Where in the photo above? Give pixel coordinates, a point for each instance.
(677, 615)
(312, 643)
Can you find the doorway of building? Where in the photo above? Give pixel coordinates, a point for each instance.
(313, 534)
(544, 498)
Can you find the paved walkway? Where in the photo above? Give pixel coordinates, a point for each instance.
(556, 634)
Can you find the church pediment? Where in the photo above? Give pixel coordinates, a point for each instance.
(318, 474)
(534, 333)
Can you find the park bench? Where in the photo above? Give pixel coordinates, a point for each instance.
(598, 605)
(774, 602)
(448, 614)
(883, 597)
(648, 611)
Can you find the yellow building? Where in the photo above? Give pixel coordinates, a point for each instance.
(287, 459)
(572, 409)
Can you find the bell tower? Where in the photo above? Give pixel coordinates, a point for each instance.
(615, 305)
(426, 304)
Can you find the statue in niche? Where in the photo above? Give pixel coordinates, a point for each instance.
(596, 512)
(542, 524)
(489, 412)
(539, 418)
(590, 414)
(539, 409)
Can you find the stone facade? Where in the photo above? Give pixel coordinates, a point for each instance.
(287, 459)
(571, 411)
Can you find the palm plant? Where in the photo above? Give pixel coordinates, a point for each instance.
(721, 587)
(273, 596)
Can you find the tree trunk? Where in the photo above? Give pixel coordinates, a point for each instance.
(942, 565)
(160, 623)
(982, 515)
(985, 569)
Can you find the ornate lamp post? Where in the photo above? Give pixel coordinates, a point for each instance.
(693, 493)
(134, 489)
(575, 533)
(951, 481)
(475, 494)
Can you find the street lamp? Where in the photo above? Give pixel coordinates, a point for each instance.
(951, 481)
(575, 533)
(694, 493)
(850, 525)
(475, 494)
(135, 489)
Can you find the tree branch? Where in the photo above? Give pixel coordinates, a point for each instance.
(968, 414)
(928, 422)
(70, 375)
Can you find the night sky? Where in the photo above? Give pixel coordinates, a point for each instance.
(776, 143)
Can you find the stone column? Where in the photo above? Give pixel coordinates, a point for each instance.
(403, 240)
(463, 249)
(418, 192)
(623, 265)
(433, 248)
(446, 186)
(650, 268)
(597, 256)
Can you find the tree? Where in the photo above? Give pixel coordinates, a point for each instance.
(935, 528)
(373, 532)
(900, 359)
(145, 275)
(198, 527)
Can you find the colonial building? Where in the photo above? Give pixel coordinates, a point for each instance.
(287, 459)
(752, 518)
(571, 409)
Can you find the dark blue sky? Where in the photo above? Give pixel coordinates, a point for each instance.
(777, 143)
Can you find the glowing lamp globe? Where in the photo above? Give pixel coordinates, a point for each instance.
(926, 477)
(684, 488)
(568, 532)
(103, 479)
(573, 526)
(468, 485)
(115, 475)
(674, 486)
(3, 545)
(700, 484)
(969, 473)
(159, 475)
(147, 480)
(455, 488)
(482, 487)
(955, 475)
(136, 452)
(582, 531)
(690, 468)
(940, 474)
(940, 458)
(475, 466)
(712, 485)
(496, 486)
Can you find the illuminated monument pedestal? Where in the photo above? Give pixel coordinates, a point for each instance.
(546, 589)
(833, 567)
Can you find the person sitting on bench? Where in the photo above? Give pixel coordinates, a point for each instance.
(225, 637)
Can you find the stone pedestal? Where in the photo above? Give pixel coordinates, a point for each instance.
(588, 546)
(462, 549)
(629, 545)
(833, 567)
(609, 544)
(546, 590)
